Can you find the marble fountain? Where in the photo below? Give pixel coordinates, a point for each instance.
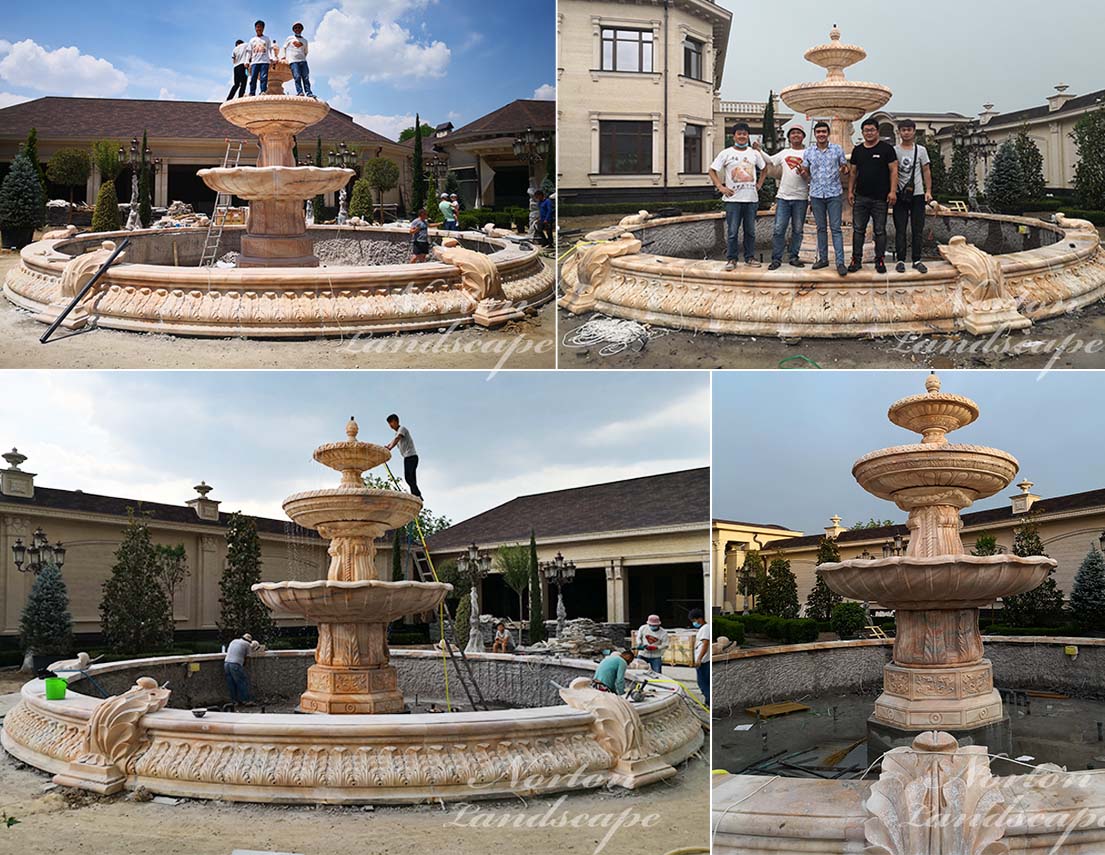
(353, 739)
(939, 726)
(278, 288)
(986, 272)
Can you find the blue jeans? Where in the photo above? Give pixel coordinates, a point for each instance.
(656, 664)
(736, 215)
(302, 77)
(237, 682)
(792, 211)
(702, 672)
(832, 207)
(259, 71)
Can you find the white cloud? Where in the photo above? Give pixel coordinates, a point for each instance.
(9, 98)
(5, 46)
(545, 92)
(64, 71)
(166, 95)
(389, 126)
(170, 84)
(341, 99)
(688, 414)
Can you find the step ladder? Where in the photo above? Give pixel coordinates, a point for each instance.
(424, 569)
(218, 216)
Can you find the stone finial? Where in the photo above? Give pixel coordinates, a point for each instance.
(14, 459)
(1025, 485)
(834, 33)
(352, 429)
(835, 520)
(1025, 499)
(932, 383)
(203, 488)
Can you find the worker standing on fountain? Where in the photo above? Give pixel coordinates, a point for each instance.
(822, 164)
(914, 192)
(261, 51)
(407, 449)
(420, 237)
(295, 54)
(872, 188)
(652, 641)
(792, 198)
(240, 60)
(742, 167)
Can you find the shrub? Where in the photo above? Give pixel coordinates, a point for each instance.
(460, 621)
(382, 175)
(1005, 185)
(239, 608)
(848, 620)
(1089, 171)
(360, 204)
(22, 202)
(731, 628)
(135, 614)
(1087, 598)
(786, 630)
(780, 593)
(45, 625)
(106, 216)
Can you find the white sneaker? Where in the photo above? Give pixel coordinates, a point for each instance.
(730, 265)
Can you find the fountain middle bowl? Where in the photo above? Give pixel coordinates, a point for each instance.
(369, 601)
(940, 582)
(386, 509)
(291, 183)
(909, 470)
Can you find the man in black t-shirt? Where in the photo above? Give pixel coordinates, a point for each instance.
(872, 188)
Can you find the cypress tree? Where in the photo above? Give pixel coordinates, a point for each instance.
(1043, 605)
(145, 205)
(22, 202)
(418, 198)
(105, 218)
(135, 614)
(460, 621)
(1032, 165)
(780, 594)
(938, 168)
(768, 189)
(822, 599)
(960, 175)
(1087, 598)
(1005, 183)
(45, 627)
(536, 601)
(239, 609)
(360, 203)
(397, 557)
(31, 148)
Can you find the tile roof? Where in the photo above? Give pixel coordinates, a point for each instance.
(674, 498)
(123, 118)
(508, 120)
(91, 503)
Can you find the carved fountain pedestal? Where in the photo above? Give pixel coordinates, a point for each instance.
(939, 678)
(352, 606)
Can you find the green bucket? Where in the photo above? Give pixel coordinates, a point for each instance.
(55, 688)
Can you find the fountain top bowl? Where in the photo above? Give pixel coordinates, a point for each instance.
(352, 457)
(835, 53)
(260, 114)
(933, 414)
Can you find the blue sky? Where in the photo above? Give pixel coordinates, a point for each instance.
(153, 435)
(379, 60)
(785, 441)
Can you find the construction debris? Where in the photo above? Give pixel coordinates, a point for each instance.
(582, 637)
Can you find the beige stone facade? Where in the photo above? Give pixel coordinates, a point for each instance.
(732, 541)
(631, 117)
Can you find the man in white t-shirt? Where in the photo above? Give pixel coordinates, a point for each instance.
(261, 48)
(701, 652)
(240, 61)
(792, 198)
(914, 170)
(295, 54)
(409, 452)
(741, 167)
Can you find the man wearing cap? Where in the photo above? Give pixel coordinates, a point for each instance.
(237, 680)
(792, 198)
(448, 215)
(295, 54)
(652, 641)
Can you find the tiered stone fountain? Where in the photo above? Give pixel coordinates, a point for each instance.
(938, 679)
(276, 188)
(352, 606)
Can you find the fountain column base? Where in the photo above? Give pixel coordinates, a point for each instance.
(277, 251)
(349, 690)
(997, 736)
(952, 699)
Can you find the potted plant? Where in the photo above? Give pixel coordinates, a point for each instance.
(22, 204)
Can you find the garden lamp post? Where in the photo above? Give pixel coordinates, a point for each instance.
(475, 565)
(560, 573)
(867, 556)
(978, 144)
(531, 147)
(133, 159)
(343, 157)
(38, 553)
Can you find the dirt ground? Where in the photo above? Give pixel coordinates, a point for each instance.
(676, 813)
(1076, 340)
(526, 344)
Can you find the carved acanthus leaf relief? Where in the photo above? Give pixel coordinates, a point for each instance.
(479, 276)
(114, 733)
(82, 268)
(592, 267)
(617, 723)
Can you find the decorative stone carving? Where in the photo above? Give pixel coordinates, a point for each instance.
(592, 267)
(637, 219)
(478, 275)
(618, 730)
(935, 797)
(989, 305)
(60, 234)
(75, 275)
(113, 736)
(81, 663)
(1071, 224)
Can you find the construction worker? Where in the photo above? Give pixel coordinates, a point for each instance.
(407, 449)
(610, 675)
(652, 641)
(237, 680)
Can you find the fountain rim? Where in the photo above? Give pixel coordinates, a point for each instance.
(355, 585)
(934, 449)
(343, 490)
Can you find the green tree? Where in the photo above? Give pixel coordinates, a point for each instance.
(145, 203)
(135, 614)
(407, 133)
(45, 627)
(536, 600)
(397, 557)
(31, 148)
(69, 167)
(822, 599)
(461, 619)
(239, 609)
(780, 593)
(1005, 185)
(871, 523)
(1089, 171)
(960, 174)
(105, 218)
(1043, 605)
(1087, 597)
(513, 563)
(752, 576)
(768, 189)
(418, 197)
(171, 570)
(938, 168)
(429, 522)
(382, 175)
(360, 203)
(1032, 165)
(105, 155)
(848, 619)
(22, 202)
(986, 544)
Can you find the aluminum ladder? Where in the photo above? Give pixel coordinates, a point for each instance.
(222, 202)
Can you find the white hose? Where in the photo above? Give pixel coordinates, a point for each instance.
(613, 334)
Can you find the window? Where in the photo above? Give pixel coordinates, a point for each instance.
(625, 148)
(626, 50)
(692, 59)
(692, 149)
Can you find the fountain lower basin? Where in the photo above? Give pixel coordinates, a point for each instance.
(293, 183)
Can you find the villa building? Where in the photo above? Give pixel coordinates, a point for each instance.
(185, 136)
(732, 540)
(1068, 526)
(640, 546)
(637, 85)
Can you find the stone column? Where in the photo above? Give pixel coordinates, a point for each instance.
(719, 571)
(616, 590)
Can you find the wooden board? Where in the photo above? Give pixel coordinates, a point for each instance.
(1049, 695)
(769, 710)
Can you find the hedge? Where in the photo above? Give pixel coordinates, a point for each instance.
(731, 629)
(1069, 629)
(786, 630)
